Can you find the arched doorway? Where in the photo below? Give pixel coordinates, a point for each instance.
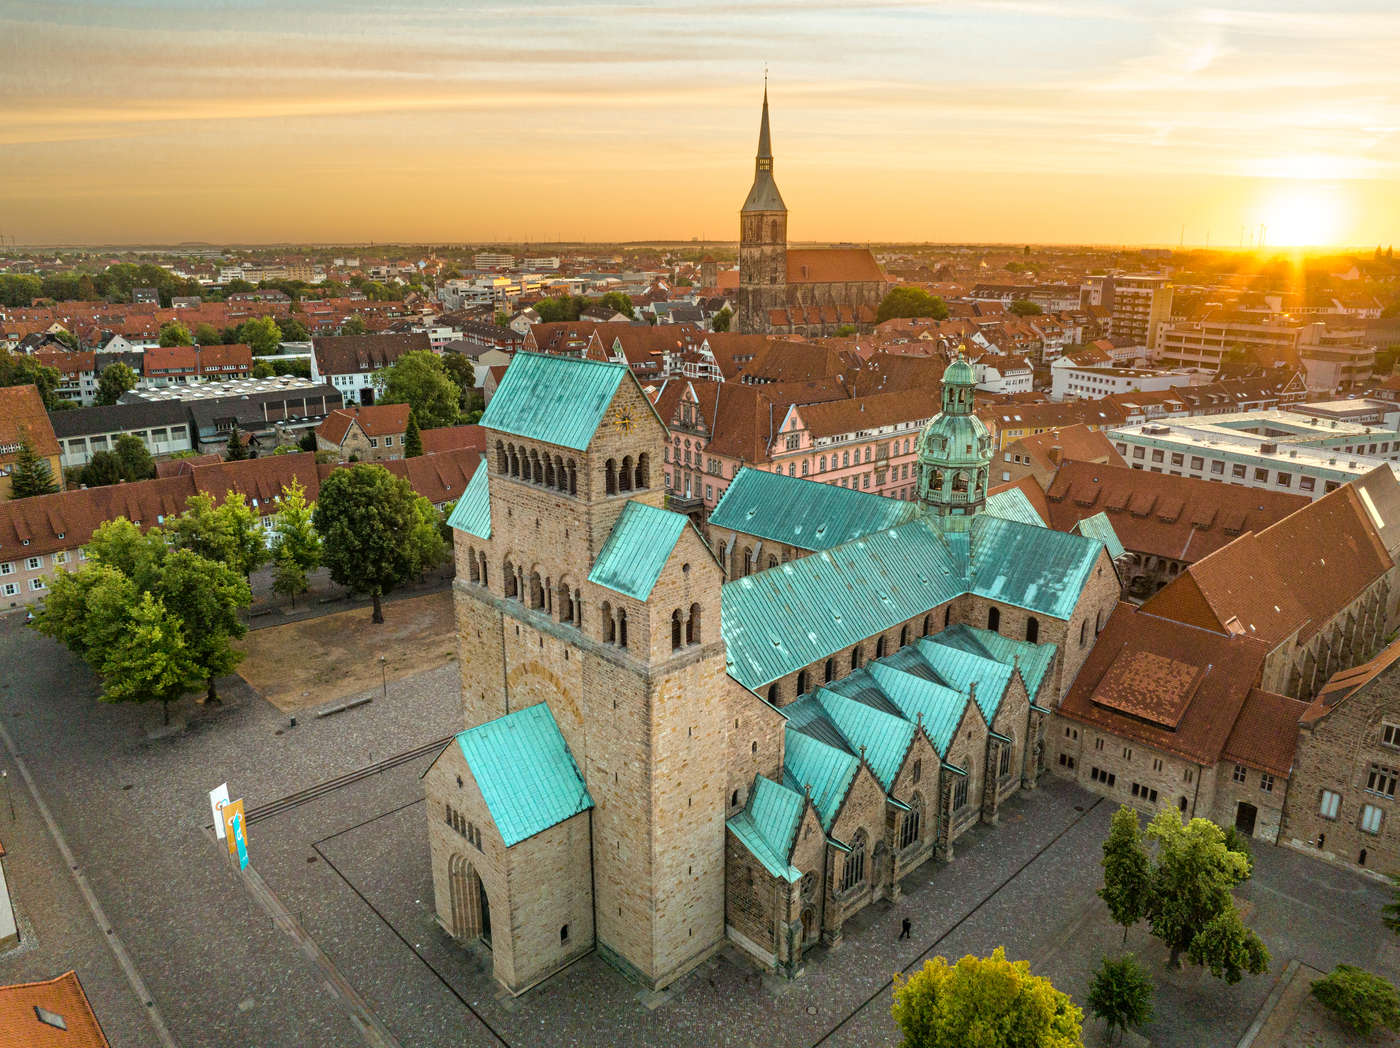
(471, 910)
(1245, 815)
(810, 931)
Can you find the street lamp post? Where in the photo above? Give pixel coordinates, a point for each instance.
(384, 676)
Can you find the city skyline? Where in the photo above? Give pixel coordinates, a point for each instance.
(973, 121)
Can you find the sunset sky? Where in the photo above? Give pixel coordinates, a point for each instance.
(987, 120)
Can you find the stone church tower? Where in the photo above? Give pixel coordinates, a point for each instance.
(762, 242)
(954, 453)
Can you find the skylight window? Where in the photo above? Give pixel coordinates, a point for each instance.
(49, 1018)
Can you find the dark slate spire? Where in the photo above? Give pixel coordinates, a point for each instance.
(764, 195)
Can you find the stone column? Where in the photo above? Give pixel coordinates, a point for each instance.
(989, 780)
(943, 839)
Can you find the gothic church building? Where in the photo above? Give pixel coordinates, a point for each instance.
(799, 291)
(657, 760)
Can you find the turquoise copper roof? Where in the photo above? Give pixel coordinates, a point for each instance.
(827, 769)
(961, 670)
(939, 707)
(1012, 504)
(472, 513)
(525, 772)
(780, 620)
(636, 551)
(767, 826)
(559, 400)
(804, 513)
(1033, 568)
(885, 737)
(1098, 526)
(1032, 660)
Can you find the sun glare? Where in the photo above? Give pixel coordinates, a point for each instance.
(1301, 215)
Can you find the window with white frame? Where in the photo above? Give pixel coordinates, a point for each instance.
(1370, 819)
(7, 568)
(34, 563)
(11, 589)
(60, 557)
(36, 585)
(1330, 804)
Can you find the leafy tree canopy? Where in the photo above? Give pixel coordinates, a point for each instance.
(721, 320)
(1360, 1001)
(911, 302)
(420, 380)
(983, 1002)
(175, 334)
(116, 379)
(17, 369)
(260, 334)
(1127, 873)
(1121, 995)
(412, 438)
(1024, 307)
(365, 516)
(229, 532)
(134, 460)
(207, 335)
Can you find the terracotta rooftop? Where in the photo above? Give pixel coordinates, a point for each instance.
(453, 438)
(832, 266)
(1266, 733)
(1181, 518)
(22, 414)
(50, 1014)
(376, 420)
(1192, 684)
(1076, 443)
(349, 354)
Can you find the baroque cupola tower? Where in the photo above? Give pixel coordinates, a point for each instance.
(762, 240)
(955, 453)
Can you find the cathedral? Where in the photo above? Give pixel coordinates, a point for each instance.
(802, 291)
(659, 759)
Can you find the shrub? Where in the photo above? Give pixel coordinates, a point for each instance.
(1358, 1000)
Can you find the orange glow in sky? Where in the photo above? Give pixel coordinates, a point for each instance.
(1094, 121)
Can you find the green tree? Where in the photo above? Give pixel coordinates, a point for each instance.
(86, 610)
(1190, 906)
(263, 369)
(620, 302)
(426, 544)
(983, 1002)
(149, 661)
(102, 468)
(175, 334)
(420, 380)
(116, 380)
(229, 532)
(1023, 307)
(206, 335)
(412, 439)
(354, 326)
(133, 459)
(1121, 995)
(31, 474)
(260, 334)
(19, 289)
(1127, 872)
(1360, 1001)
(720, 321)
(296, 548)
(17, 369)
(307, 442)
(365, 516)
(206, 596)
(236, 448)
(911, 302)
(293, 330)
(845, 331)
(502, 318)
(460, 370)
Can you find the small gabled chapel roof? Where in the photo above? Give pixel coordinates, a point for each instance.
(472, 513)
(767, 826)
(525, 772)
(828, 770)
(637, 548)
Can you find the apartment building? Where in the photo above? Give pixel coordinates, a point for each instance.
(1141, 304)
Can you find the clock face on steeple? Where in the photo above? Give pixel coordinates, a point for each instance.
(622, 419)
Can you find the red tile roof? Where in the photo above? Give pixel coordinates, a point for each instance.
(22, 414)
(1165, 684)
(1266, 733)
(453, 438)
(21, 1027)
(376, 420)
(1181, 518)
(836, 265)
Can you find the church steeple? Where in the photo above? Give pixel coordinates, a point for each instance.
(955, 453)
(764, 195)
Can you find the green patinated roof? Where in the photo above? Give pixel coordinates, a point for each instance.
(804, 513)
(636, 551)
(472, 513)
(1012, 504)
(959, 373)
(1031, 567)
(790, 616)
(885, 736)
(1100, 527)
(940, 707)
(767, 826)
(827, 769)
(960, 669)
(1033, 660)
(525, 772)
(560, 400)
(780, 620)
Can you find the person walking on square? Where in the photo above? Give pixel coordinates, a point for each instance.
(905, 928)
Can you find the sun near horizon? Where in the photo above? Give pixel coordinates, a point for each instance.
(975, 120)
